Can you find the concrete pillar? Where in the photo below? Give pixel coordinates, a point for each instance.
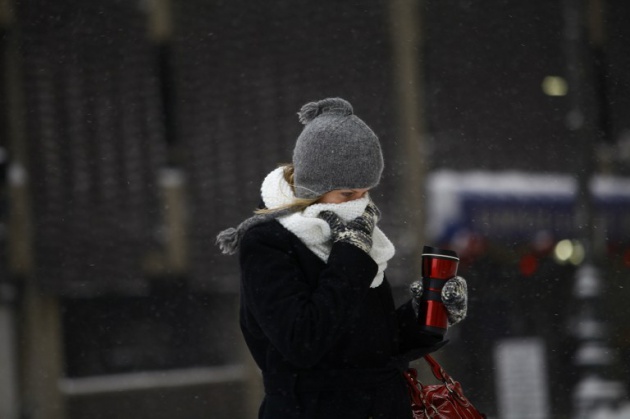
(40, 355)
(37, 358)
(405, 29)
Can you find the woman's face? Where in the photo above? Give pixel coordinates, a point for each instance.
(339, 196)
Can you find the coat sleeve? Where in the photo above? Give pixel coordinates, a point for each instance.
(300, 321)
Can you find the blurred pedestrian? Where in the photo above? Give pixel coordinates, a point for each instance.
(317, 312)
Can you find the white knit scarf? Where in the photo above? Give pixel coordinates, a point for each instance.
(315, 232)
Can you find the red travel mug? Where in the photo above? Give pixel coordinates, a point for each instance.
(438, 266)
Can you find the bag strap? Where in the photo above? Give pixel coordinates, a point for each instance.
(437, 370)
(416, 394)
(415, 387)
(443, 376)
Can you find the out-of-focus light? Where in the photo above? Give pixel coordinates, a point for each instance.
(563, 250)
(528, 265)
(555, 86)
(569, 251)
(577, 256)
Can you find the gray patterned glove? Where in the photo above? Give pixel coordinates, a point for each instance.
(454, 297)
(357, 232)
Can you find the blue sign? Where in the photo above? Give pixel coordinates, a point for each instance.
(522, 207)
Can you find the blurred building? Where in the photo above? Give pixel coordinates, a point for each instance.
(133, 132)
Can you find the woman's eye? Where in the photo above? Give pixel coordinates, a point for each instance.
(347, 194)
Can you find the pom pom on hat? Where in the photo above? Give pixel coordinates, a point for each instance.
(335, 106)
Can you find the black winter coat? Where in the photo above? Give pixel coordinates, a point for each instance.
(328, 345)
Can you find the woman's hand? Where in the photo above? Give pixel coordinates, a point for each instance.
(454, 297)
(357, 232)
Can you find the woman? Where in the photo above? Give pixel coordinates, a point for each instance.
(316, 311)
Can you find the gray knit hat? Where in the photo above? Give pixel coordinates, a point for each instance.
(336, 150)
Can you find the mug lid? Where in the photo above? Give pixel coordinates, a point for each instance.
(434, 251)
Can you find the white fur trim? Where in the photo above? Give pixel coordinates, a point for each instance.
(315, 232)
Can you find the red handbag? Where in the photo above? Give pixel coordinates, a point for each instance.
(439, 401)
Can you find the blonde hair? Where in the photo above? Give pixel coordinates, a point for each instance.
(298, 204)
